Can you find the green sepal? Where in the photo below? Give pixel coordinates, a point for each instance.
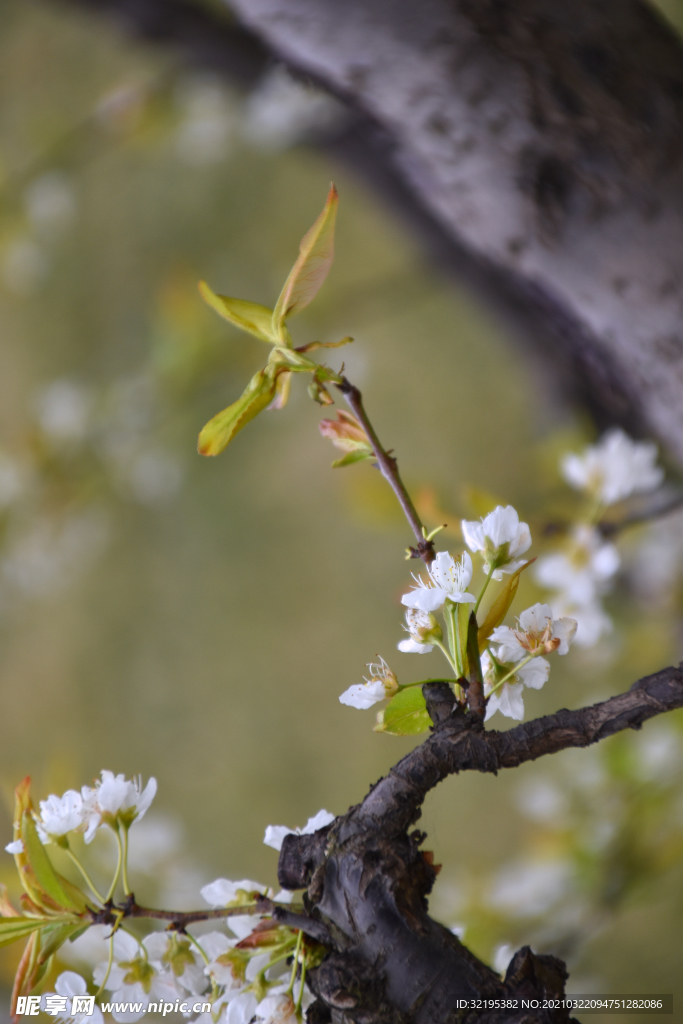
(259, 393)
(63, 892)
(406, 714)
(248, 316)
(14, 928)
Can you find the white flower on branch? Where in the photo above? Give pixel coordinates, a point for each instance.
(422, 627)
(538, 633)
(15, 847)
(275, 834)
(133, 978)
(448, 579)
(500, 538)
(582, 571)
(59, 815)
(223, 892)
(508, 698)
(68, 985)
(381, 684)
(614, 468)
(277, 1009)
(115, 800)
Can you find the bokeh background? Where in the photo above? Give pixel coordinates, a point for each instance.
(196, 619)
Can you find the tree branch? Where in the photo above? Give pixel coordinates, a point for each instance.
(389, 469)
(459, 743)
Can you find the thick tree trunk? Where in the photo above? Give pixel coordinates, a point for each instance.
(367, 879)
(546, 139)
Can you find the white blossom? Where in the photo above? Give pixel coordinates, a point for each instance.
(422, 627)
(538, 631)
(581, 572)
(16, 847)
(448, 579)
(614, 468)
(500, 537)
(60, 814)
(381, 684)
(277, 1009)
(68, 985)
(215, 946)
(592, 621)
(508, 698)
(173, 952)
(363, 695)
(115, 799)
(133, 978)
(223, 892)
(275, 834)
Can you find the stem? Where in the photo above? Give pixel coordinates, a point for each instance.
(179, 918)
(447, 655)
(109, 967)
(389, 470)
(422, 682)
(126, 887)
(201, 951)
(301, 989)
(483, 590)
(299, 940)
(115, 880)
(513, 671)
(85, 874)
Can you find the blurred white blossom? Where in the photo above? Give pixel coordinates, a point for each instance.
(282, 111)
(614, 468)
(208, 121)
(63, 409)
(23, 265)
(582, 571)
(50, 202)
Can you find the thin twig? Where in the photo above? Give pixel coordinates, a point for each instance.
(179, 919)
(389, 470)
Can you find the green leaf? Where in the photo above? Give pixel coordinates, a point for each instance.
(248, 316)
(55, 935)
(220, 431)
(14, 928)
(316, 253)
(357, 456)
(406, 713)
(64, 893)
(501, 605)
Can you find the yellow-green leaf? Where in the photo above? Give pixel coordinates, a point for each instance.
(501, 605)
(316, 253)
(220, 431)
(406, 713)
(64, 893)
(248, 316)
(360, 455)
(14, 928)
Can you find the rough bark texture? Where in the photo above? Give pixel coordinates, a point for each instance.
(546, 138)
(367, 880)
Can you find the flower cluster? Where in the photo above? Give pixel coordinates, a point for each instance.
(500, 538)
(113, 800)
(581, 573)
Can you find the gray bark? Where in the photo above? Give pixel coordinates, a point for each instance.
(546, 139)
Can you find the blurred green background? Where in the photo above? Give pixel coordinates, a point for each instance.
(197, 619)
